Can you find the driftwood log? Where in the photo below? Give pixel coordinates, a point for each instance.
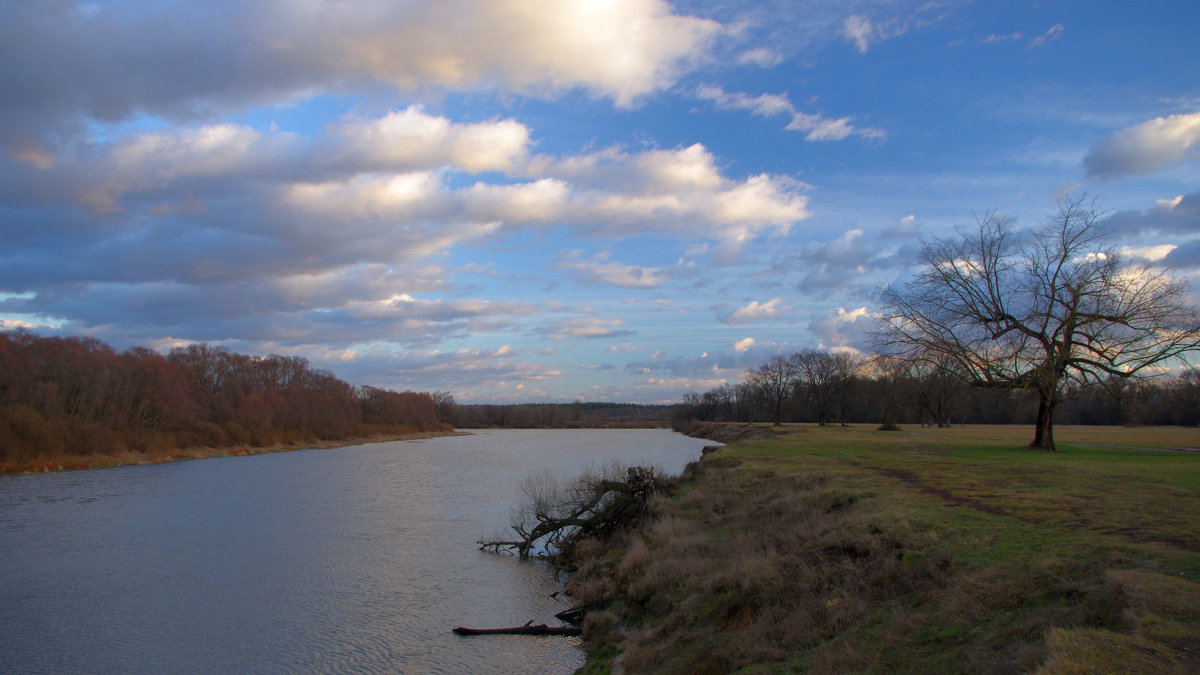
(540, 629)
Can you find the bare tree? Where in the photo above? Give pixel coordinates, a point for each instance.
(1039, 312)
(817, 381)
(774, 381)
(555, 516)
(937, 390)
(894, 375)
(847, 366)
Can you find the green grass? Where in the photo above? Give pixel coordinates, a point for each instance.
(926, 550)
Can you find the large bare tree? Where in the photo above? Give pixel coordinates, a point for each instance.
(816, 381)
(1039, 310)
(773, 381)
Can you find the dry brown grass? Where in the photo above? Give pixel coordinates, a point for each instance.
(847, 551)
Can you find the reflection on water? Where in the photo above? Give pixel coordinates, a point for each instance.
(356, 559)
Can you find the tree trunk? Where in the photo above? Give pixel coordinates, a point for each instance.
(1043, 436)
(527, 629)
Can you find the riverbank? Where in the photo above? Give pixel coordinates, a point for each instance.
(104, 461)
(928, 550)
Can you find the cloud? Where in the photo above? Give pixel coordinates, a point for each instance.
(406, 306)
(998, 39)
(1145, 147)
(756, 311)
(762, 57)
(598, 270)
(679, 193)
(842, 328)
(817, 126)
(839, 263)
(588, 328)
(1186, 256)
(501, 372)
(905, 229)
(161, 61)
(1180, 214)
(411, 139)
(1148, 254)
(743, 344)
(1051, 34)
(859, 31)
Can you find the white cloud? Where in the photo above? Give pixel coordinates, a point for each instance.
(1148, 253)
(587, 328)
(743, 344)
(1053, 33)
(762, 57)
(678, 193)
(500, 373)
(411, 139)
(405, 306)
(756, 311)
(617, 274)
(1146, 147)
(859, 31)
(164, 63)
(690, 168)
(539, 201)
(840, 328)
(819, 127)
(623, 49)
(996, 39)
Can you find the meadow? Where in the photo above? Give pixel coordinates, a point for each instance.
(846, 549)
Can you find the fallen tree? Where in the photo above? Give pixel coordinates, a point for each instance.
(527, 629)
(554, 516)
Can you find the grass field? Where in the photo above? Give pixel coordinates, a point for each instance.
(925, 550)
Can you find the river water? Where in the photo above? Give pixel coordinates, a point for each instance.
(358, 559)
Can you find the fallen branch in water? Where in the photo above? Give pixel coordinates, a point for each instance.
(540, 629)
(594, 506)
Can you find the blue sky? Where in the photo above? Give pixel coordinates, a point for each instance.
(529, 201)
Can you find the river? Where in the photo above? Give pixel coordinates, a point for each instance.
(356, 559)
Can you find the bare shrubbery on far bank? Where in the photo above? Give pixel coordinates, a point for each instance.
(65, 398)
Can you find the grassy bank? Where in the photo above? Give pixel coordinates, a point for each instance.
(67, 462)
(956, 550)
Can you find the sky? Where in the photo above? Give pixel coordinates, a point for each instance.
(527, 201)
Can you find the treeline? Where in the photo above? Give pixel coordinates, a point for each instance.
(577, 415)
(75, 396)
(834, 388)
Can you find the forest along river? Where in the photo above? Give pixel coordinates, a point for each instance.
(352, 559)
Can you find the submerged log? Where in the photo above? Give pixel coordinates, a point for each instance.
(574, 615)
(540, 629)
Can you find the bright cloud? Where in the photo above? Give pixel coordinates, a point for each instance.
(762, 57)
(1146, 147)
(269, 50)
(1148, 253)
(512, 199)
(756, 311)
(817, 126)
(599, 270)
(587, 328)
(841, 328)
(411, 139)
(859, 31)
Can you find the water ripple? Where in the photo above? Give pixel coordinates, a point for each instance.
(357, 560)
